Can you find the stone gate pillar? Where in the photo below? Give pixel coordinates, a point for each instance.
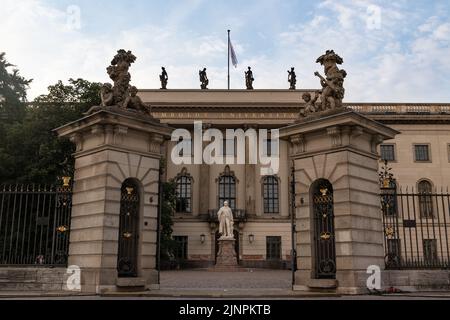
(338, 214)
(111, 147)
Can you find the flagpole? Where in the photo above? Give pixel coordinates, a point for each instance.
(228, 59)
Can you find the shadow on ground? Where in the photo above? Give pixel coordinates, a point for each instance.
(204, 279)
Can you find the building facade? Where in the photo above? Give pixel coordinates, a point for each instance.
(419, 157)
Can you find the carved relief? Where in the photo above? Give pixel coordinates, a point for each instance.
(77, 139)
(376, 140)
(298, 144)
(98, 130)
(335, 136)
(119, 132)
(357, 131)
(109, 134)
(154, 142)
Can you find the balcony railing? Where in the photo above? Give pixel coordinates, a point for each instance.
(238, 215)
(400, 108)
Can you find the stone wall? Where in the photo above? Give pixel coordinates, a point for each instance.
(33, 279)
(417, 280)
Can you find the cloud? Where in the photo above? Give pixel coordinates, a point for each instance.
(45, 49)
(442, 32)
(383, 64)
(400, 57)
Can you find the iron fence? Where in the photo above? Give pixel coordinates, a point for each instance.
(34, 224)
(416, 226)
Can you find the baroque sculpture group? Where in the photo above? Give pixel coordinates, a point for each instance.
(121, 95)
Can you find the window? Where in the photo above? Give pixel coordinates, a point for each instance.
(387, 152)
(273, 248)
(181, 248)
(184, 192)
(422, 152)
(425, 199)
(270, 194)
(227, 188)
(430, 251)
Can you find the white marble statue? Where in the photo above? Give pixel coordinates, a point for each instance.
(225, 216)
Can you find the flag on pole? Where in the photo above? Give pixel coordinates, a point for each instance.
(234, 60)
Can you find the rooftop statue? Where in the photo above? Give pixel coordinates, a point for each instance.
(134, 102)
(292, 79)
(118, 72)
(163, 77)
(249, 79)
(203, 79)
(106, 94)
(310, 106)
(333, 82)
(120, 96)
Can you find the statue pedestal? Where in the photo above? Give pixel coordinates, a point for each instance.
(226, 257)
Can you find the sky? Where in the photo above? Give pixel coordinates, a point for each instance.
(393, 51)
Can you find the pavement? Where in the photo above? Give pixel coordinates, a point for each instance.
(204, 279)
(203, 284)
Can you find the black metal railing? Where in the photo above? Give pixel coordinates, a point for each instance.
(34, 224)
(416, 227)
(238, 215)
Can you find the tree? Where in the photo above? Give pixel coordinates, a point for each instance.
(31, 151)
(168, 244)
(13, 92)
(13, 89)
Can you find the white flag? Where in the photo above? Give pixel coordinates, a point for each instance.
(234, 60)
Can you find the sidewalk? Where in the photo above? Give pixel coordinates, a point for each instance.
(196, 284)
(215, 294)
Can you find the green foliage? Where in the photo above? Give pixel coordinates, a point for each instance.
(13, 93)
(30, 150)
(168, 245)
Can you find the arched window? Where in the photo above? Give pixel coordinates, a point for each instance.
(424, 188)
(227, 188)
(184, 192)
(270, 194)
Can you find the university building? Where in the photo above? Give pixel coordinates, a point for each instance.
(350, 188)
(419, 157)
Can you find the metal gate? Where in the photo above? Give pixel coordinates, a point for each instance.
(35, 223)
(128, 230)
(324, 237)
(416, 225)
